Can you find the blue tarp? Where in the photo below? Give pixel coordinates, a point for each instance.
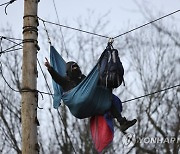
(87, 98)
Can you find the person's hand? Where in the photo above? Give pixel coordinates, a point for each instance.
(47, 64)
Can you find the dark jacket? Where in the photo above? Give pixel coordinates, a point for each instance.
(67, 83)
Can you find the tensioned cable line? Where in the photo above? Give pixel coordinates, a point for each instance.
(21, 90)
(76, 29)
(84, 31)
(44, 77)
(49, 40)
(10, 38)
(7, 3)
(147, 24)
(1, 50)
(4, 3)
(152, 93)
(10, 48)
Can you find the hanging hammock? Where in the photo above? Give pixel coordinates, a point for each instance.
(87, 98)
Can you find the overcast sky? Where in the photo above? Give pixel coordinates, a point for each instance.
(121, 12)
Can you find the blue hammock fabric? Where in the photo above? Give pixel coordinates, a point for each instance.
(58, 63)
(87, 98)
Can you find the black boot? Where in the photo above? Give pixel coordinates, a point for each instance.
(125, 124)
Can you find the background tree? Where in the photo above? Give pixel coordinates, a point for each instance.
(155, 61)
(10, 104)
(151, 60)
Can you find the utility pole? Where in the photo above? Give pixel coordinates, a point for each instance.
(29, 79)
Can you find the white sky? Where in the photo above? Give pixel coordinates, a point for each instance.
(122, 12)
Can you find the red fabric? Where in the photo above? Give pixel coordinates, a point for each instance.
(101, 133)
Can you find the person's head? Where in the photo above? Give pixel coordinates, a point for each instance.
(73, 70)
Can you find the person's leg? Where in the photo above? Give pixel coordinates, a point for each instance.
(116, 109)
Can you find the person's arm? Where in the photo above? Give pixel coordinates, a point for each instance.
(62, 81)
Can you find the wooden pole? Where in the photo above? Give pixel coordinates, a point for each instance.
(29, 79)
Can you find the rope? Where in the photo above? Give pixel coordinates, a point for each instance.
(1, 51)
(5, 10)
(147, 24)
(60, 28)
(18, 44)
(44, 77)
(76, 29)
(152, 93)
(10, 38)
(10, 50)
(23, 89)
(80, 30)
(7, 3)
(49, 40)
(66, 132)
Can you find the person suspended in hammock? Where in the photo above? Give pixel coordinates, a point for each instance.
(73, 77)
